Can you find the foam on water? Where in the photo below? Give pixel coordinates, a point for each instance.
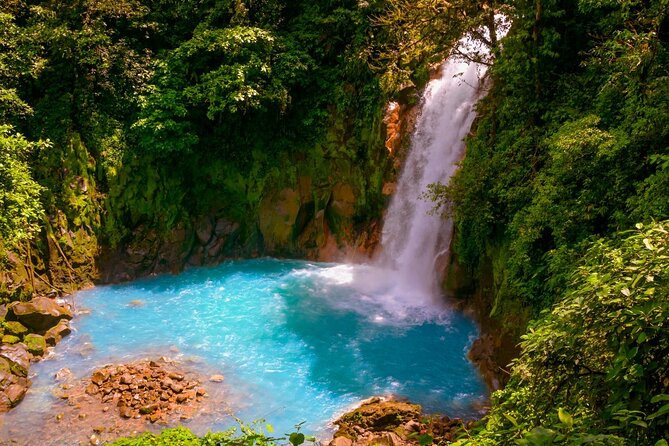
(297, 341)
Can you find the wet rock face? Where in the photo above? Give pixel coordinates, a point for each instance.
(144, 389)
(393, 423)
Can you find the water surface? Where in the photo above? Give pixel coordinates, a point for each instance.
(296, 341)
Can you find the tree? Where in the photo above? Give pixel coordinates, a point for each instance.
(415, 34)
(20, 208)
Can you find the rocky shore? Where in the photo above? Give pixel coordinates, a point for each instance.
(27, 329)
(120, 400)
(382, 422)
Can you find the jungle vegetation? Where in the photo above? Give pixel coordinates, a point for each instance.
(116, 114)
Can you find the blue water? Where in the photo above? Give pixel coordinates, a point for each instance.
(296, 341)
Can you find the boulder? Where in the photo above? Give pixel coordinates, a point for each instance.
(15, 328)
(10, 339)
(40, 314)
(15, 393)
(35, 344)
(12, 390)
(4, 365)
(17, 357)
(204, 230)
(341, 441)
(54, 334)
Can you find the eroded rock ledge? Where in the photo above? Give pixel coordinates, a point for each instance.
(394, 423)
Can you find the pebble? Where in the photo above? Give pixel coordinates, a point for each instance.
(216, 378)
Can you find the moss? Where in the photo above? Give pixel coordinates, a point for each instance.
(10, 339)
(35, 344)
(15, 328)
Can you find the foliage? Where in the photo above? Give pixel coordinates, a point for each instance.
(599, 356)
(246, 435)
(570, 143)
(412, 35)
(20, 208)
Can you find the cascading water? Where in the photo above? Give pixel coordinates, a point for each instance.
(413, 240)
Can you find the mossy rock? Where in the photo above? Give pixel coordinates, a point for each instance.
(376, 416)
(10, 339)
(35, 344)
(5, 366)
(15, 328)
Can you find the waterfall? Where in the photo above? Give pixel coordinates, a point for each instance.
(413, 241)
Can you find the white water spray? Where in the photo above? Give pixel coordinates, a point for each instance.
(415, 244)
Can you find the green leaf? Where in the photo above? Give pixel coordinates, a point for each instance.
(565, 417)
(296, 438)
(661, 443)
(663, 410)
(511, 419)
(425, 439)
(269, 428)
(658, 398)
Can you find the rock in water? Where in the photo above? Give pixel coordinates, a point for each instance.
(39, 314)
(54, 334)
(18, 358)
(14, 362)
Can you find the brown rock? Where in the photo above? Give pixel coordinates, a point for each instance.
(126, 412)
(92, 389)
(18, 358)
(204, 230)
(64, 374)
(54, 334)
(126, 378)
(341, 441)
(39, 314)
(216, 378)
(100, 376)
(175, 376)
(148, 409)
(15, 393)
